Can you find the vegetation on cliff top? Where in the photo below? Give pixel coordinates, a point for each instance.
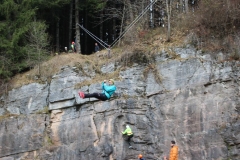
(213, 26)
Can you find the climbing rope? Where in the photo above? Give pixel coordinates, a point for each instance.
(133, 22)
(102, 43)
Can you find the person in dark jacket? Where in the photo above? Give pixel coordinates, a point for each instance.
(108, 90)
(96, 47)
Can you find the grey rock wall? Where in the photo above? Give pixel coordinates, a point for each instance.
(196, 104)
(22, 134)
(27, 99)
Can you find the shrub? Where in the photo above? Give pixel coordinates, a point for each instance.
(218, 17)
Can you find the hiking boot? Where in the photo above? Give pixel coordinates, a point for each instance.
(81, 94)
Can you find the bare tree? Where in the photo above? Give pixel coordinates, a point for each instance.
(38, 42)
(78, 46)
(121, 27)
(129, 6)
(186, 5)
(101, 25)
(70, 24)
(181, 5)
(126, 12)
(57, 35)
(168, 6)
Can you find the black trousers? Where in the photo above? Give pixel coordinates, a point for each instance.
(100, 96)
(129, 139)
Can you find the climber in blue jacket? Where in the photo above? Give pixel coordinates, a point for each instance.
(108, 89)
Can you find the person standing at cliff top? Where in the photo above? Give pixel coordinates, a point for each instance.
(108, 90)
(73, 47)
(96, 47)
(173, 152)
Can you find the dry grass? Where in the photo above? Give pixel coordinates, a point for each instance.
(53, 66)
(7, 116)
(152, 68)
(99, 78)
(124, 55)
(215, 25)
(47, 69)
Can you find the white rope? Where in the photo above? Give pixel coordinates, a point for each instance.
(101, 42)
(134, 22)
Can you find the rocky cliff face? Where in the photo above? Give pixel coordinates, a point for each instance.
(194, 100)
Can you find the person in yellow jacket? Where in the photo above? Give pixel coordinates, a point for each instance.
(173, 152)
(129, 133)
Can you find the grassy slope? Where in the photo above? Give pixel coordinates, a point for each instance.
(152, 42)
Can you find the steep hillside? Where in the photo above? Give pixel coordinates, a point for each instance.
(164, 92)
(182, 86)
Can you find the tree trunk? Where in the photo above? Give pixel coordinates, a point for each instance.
(70, 25)
(57, 35)
(151, 15)
(130, 18)
(181, 6)
(101, 26)
(186, 6)
(168, 6)
(78, 46)
(130, 10)
(86, 36)
(121, 26)
(114, 29)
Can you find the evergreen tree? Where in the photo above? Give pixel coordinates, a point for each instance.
(91, 9)
(15, 20)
